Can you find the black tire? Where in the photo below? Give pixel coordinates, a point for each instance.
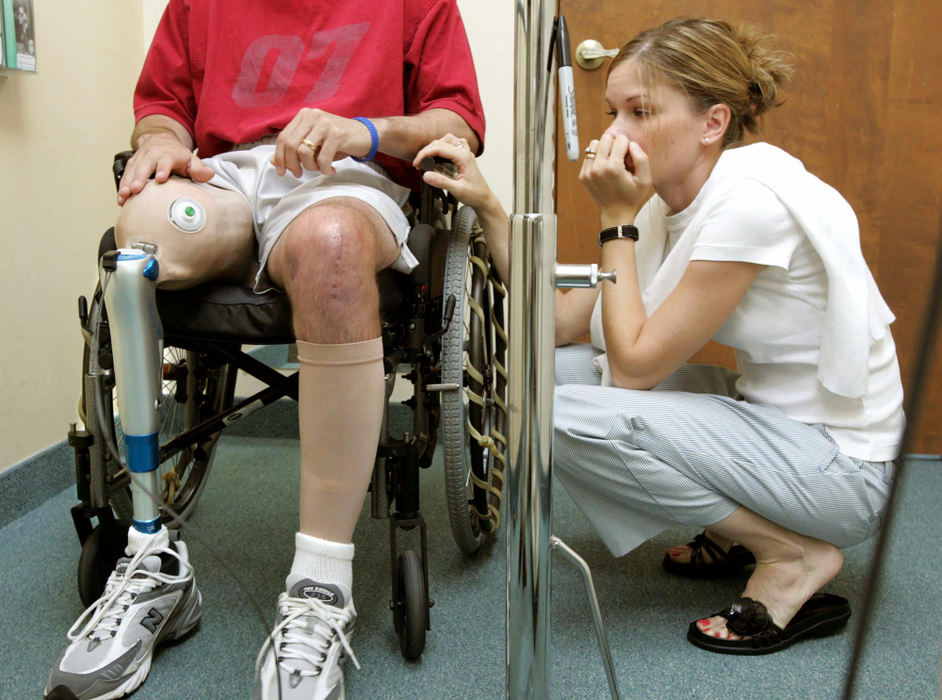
(193, 388)
(411, 606)
(471, 333)
(100, 552)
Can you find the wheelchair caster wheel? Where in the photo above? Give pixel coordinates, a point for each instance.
(100, 553)
(411, 606)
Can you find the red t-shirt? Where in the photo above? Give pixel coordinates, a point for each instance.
(233, 71)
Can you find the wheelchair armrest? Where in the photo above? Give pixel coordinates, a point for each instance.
(117, 167)
(420, 243)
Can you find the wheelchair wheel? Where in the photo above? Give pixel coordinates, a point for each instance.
(471, 357)
(411, 606)
(100, 552)
(193, 388)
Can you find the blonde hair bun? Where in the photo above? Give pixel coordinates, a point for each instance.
(713, 62)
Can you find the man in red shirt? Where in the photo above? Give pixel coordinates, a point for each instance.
(303, 117)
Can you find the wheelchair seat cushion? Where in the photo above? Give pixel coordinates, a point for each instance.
(224, 311)
(228, 312)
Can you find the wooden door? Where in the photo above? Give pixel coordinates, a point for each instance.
(864, 113)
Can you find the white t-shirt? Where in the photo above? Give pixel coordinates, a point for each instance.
(784, 308)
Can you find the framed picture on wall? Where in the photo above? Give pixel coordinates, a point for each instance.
(19, 37)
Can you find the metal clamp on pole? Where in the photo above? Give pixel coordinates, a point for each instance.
(581, 276)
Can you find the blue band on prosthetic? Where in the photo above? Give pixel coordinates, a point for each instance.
(143, 452)
(148, 527)
(374, 140)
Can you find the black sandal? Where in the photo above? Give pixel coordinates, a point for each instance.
(822, 615)
(721, 564)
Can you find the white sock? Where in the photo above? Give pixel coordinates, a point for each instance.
(323, 561)
(138, 540)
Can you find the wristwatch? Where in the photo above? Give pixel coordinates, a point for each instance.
(617, 232)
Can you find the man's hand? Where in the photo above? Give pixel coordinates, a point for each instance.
(332, 138)
(159, 153)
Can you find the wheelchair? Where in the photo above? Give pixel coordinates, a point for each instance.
(442, 330)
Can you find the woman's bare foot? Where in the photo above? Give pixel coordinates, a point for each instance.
(681, 553)
(785, 577)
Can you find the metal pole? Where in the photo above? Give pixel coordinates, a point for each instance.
(530, 401)
(600, 635)
(534, 26)
(534, 276)
(530, 388)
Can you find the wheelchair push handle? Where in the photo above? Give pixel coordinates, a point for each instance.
(117, 167)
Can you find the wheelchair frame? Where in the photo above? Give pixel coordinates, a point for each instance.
(450, 333)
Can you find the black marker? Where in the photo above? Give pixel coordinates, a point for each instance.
(567, 91)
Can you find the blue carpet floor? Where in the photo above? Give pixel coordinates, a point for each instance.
(247, 517)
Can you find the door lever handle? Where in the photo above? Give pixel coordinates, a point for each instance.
(590, 54)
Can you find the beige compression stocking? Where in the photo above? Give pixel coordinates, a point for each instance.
(341, 394)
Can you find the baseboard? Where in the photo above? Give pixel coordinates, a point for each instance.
(31, 482)
(35, 480)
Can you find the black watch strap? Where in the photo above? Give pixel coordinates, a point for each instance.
(616, 232)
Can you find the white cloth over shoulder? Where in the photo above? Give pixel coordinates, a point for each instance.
(856, 315)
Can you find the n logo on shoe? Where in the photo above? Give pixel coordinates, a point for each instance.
(325, 593)
(152, 621)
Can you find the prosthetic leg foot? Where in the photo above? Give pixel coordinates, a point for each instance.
(151, 596)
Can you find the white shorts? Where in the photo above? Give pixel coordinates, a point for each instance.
(275, 200)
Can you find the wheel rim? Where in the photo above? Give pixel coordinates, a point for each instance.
(467, 353)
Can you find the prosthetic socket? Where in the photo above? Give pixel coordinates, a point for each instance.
(173, 235)
(198, 233)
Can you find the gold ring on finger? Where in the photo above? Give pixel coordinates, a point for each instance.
(310, 144)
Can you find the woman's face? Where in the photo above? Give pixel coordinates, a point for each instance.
(660, 118)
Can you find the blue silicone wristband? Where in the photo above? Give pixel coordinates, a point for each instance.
(374, 140)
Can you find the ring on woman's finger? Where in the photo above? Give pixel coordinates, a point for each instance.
(310, 144)
(589, 153)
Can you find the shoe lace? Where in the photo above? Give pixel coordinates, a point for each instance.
(299, 637)
(102, 618)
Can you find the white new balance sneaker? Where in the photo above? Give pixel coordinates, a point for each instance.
(305, 653)
(149, 598)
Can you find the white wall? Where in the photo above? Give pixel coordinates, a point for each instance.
(490, 27)
(58, 131)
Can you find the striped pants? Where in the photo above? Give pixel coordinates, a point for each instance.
(689, 453)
